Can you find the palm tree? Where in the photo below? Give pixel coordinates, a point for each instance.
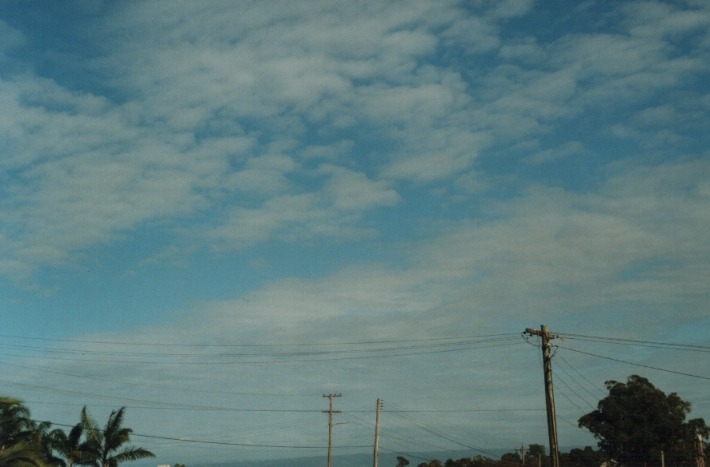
(20, 437)
(15, 421)
(43, 440)
(107, 445)
(21, 454)
(72, 447)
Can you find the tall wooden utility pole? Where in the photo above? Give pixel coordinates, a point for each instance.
(375, 454)
(699, 451)
(330, 413)
(549, 394)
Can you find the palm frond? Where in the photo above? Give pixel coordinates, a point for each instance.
(22, 454)
(94, 436)
(132, 454)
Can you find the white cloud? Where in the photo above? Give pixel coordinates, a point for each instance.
(289, 126)
(350, 190)
(657, 19)
(236, 118)
(193, 106)
(442, 155)
(265, 175)
(566, 150)
(552, 256)
(510, 8)
(526, 50)
(332, 212)
(9, 38)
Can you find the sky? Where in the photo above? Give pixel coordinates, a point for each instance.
(216, 213)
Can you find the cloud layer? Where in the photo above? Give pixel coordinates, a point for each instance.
(211, 208)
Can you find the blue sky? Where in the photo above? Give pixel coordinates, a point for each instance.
(214, 213)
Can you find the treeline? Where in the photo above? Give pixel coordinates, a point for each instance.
(534, 457)
(636, 425)
(25, 442)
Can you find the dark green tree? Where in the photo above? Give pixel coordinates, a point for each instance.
(511, 458)
(21, 454)
(432, 463)
(20, 437)
(533, 453)
(72, 447)
(42, 438)
(637, 421)
(482, 461)
(477, 461)
(535, 450)
(402, 462)
(587, 457)
(15, 422)
(108, 446)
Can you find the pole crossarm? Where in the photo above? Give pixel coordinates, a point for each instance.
(539, 333)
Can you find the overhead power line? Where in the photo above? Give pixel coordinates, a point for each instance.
(637, 342)
(636, 364)
(297, 344)
(437, 431)
(225, 443)
(280, 356)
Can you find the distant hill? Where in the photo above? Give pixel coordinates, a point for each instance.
(348, 460)
(351, 460)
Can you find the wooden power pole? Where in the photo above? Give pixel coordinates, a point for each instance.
(375, 453)
(699, 451)
(330, 413)
(545, 337)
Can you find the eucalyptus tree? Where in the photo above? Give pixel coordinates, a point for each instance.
(108, 447)
(637, 422)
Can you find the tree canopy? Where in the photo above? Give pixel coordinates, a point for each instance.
(109, 444)
(27, 443)
(636, 421)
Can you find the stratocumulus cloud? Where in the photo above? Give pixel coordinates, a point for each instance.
(213, 213)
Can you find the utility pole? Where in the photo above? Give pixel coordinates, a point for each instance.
(699, 451)
(330, 413)
(549, 394)
(375, 453)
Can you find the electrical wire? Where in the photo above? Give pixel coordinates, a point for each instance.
(45, 369)
(322, 344)
(226, 443)
(636, 342)
(441, 432)
(430, 347)
(562, 380)
(153, 404)
(564, 394)
(600, 393)
(637, 364)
